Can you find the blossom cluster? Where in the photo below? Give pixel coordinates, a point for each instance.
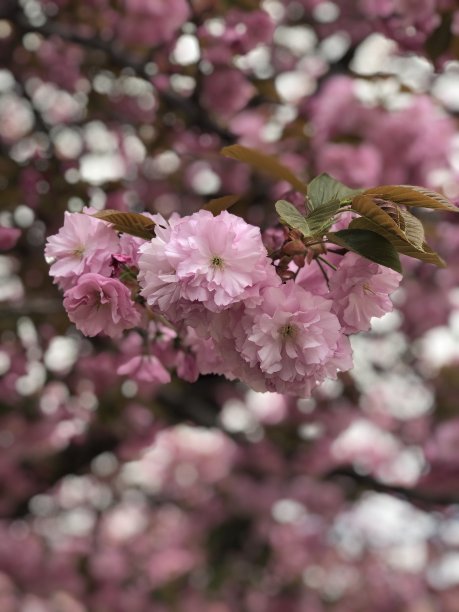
(207, 297)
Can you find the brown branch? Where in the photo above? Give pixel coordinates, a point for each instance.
(193, 114)
(323, 271)
(30, 307)
(8, 9)
(360, 483)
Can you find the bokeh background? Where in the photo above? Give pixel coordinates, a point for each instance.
(118, 495)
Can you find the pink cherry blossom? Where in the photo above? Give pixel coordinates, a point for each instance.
(227, 90)
(145, 368)
(209, 497)
(129, 248)
(8, 237)
(291, 337)
(208, 358)
(83, 244)
(360, 290)
(151, 22)
(212, 261)
(97, 304)
(358, 166)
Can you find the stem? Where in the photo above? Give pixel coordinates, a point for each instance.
(326, 262)
(324, 273)
(346, 209)
(309, 244)
(337, 251)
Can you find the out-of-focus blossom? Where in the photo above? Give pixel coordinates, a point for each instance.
(8, 237)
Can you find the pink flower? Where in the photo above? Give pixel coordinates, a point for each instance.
(208, 359)
(83, 244)
(242, 31)
(360, 290)
(210, 261)
(311, 278)
(150, 22)
(145, 368)
(100, 305)
(8, 237)
(294, 339)
(187, 367)
(226, 91)
(356, 165)
(156, 271)
(129, 248)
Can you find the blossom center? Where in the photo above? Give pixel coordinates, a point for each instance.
(288, 331)
(367, 289)
(79, 251)
(217, 262)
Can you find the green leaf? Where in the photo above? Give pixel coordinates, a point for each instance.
(265, 163)
(409, 195)
(369, 244)
(131, 223)
(324, 189)
(217, 205)
(402, 245)
(292, 217)
(322, 218)
(380, 208)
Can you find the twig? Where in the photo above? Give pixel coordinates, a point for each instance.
(30, 307)
(193, 114)
(326, 262)
(324, 272)
(366, 482)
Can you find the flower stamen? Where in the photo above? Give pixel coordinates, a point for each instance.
(288, 331)
(79, 251)
(367, 289)
(217, 262)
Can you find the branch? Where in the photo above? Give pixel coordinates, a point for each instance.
(347, 475)
(30, 307)
(193, 114)
(8, 9)
(195, 403)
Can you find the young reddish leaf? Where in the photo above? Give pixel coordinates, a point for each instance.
(393, 210)
(265, 163)
(413, 228)
(409, 195)
(131, 223)
(366, 206)
(218, 205)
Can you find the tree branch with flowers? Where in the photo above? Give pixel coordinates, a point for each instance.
(209, 297)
